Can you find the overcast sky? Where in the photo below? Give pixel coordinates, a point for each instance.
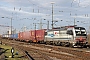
(25, 13)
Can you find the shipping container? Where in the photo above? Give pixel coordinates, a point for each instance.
(26, 36)
(32, 36)
(37, 35)
(20, 36)
(14, 36)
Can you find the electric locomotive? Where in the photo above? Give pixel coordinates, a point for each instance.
(67, 36)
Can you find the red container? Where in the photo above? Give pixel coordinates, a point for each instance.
(32, 35)
(20, 36)
(37, 35)
(26, 36)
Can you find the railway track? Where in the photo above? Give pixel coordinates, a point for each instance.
(49, 52)
(30, 58)
(31, 54)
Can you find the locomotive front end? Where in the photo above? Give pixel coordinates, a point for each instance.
(80, 36)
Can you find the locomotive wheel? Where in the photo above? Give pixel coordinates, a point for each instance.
(71, 45)
(55, 43)
(48, 43)
(67, 44)
(62, 44)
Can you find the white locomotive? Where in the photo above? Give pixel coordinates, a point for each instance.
(67, 36)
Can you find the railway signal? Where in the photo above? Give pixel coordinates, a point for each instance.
(12, 51)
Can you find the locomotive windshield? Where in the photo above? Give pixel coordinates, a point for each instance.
(80, 31)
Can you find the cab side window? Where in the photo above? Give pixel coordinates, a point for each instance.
(70, 32)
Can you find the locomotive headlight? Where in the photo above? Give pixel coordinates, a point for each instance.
(73, 43)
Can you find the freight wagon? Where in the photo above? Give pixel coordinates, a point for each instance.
(32, 36)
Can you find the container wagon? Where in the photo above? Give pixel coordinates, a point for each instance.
(32, 36)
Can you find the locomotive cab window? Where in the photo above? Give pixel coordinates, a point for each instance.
(80, 31)
(70, 32)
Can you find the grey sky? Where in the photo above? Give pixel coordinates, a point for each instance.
(27, 12)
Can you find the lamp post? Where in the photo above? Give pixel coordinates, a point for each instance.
(35, 39)
(75, 19)
(47, 23)
(11, 23)
(11, 26)
(52, 13)
(41, 23)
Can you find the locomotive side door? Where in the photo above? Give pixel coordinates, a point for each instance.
(70, 35)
